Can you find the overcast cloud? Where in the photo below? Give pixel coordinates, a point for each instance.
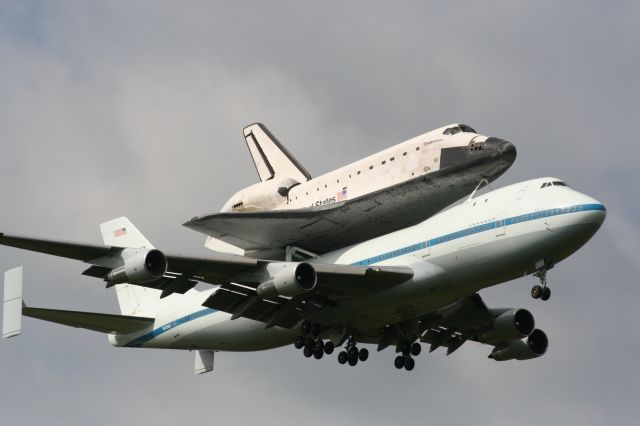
(136, 108)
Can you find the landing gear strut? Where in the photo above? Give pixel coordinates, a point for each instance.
(541, 291)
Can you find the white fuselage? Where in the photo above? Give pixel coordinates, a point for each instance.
(400, 163)
(487, 240)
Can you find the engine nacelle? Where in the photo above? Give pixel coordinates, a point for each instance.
(513, 324)
(140, 266)
(290, 281)
(532, 347)
(261, 196)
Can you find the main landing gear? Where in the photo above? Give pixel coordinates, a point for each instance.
(541, 291)
(312, 345)
(405, 360)
(352, 354)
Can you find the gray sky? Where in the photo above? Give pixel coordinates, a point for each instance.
(136, 108)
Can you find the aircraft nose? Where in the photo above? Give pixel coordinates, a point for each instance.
(505, 149)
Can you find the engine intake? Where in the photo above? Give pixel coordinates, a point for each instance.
(510, 325)
(290, 281)
(532, 347)
(140, 266)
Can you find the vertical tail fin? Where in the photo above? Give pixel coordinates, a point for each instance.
(270, 157)
(121, 232)
(12, 309)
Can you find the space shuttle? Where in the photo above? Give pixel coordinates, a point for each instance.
(289, 214)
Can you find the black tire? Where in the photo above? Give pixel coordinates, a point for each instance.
(398, 362)
(409, 363)
(546, 293)
(305, 327)
(317, 354)
(353, 361)
(316, 329)
(307, 351)
(416, 348)
(309, 342)
(536, 291)
(363, 354)
(353, 352)
(329, 347)
(299, 342)
(342, 357)
(318, 345)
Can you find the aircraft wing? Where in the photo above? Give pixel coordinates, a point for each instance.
(334, 282)
(324, 228)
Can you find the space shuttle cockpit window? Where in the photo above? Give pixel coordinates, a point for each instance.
(467, 129)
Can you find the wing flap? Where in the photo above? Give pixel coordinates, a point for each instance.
(71, 250)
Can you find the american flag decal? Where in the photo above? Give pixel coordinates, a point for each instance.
(342, 195)
(120, 232)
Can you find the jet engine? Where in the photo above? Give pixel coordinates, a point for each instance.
(510, 325)
(140, 266)
(532, 347)
(290, 281)
(261, 196)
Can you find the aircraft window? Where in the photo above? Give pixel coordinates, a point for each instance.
(392, 158)
(417, 148)
(404, 153)
(455, 130)
(543, 185)
(358, 171)
(447, 131)
(384, 162)
(558, 183)
(467, 129)
(370, 167)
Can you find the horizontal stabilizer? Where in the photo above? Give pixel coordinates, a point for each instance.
(104, 323)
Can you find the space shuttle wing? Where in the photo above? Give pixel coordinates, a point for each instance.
(324, 228)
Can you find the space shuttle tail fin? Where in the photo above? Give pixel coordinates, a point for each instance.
(270, 157)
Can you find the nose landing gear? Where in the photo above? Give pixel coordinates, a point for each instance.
(541, 291)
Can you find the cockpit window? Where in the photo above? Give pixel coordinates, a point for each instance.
(467, 129)
(558, 183)
(447, 131)
(455, 130)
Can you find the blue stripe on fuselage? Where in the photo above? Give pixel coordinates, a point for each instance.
(139, 341)
(476, 230)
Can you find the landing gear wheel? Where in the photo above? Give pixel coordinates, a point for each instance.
(399, 362)
(305, 327)
(318, 346)
(353, 360)
(363, 354)
(352, 352)
(546, 293)
(316, 329)
(409, 363)
(329, 347)
(299, 342)
(308, 342)
(342, 357)
(318, 353)
(416, 349)
(307, 351)
(536, 292)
